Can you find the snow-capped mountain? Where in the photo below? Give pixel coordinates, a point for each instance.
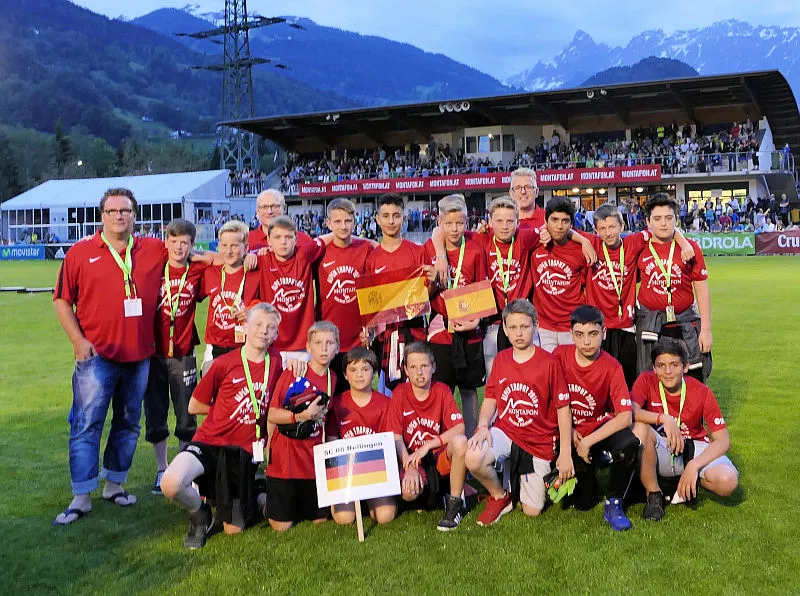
(724, 47)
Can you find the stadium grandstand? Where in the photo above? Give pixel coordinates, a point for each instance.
(718, 137)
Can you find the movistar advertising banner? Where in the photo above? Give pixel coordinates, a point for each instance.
(22, 252)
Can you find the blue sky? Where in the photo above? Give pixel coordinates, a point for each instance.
(500, 37)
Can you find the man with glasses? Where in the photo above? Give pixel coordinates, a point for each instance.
(525, 191)
(269, 205)
(106, 299)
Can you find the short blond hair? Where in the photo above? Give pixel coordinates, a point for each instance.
(263, 307)
(236, 227)
(345, 205)
(323, 327)
(453, 203)
(503, 203)
(524, 173)
(284, 222)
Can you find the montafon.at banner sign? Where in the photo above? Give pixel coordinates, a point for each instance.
(778, 243)
(494, 180)
(732, 243)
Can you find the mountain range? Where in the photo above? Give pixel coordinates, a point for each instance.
(724, 47)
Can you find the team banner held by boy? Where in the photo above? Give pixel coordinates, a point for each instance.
(355, 469)
(474, 301)
(392, 297)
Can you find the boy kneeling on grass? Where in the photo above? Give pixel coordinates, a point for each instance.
(224, 453)
(429, 434)
(528, 394)
(291, 488)
(356, 412)
(682, 431)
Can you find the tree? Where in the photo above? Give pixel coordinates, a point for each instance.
(10, 184)
(63, 150)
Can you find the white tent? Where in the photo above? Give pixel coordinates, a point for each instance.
(68, 208)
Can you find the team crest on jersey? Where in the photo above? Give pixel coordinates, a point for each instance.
(521, 404)
(554, 276)
(243, 413)
(221, 309)
(186, 299)
(582, 402)
(288, 293)
(513, 271)
(655, 278)
(602, 276)
(421, 430)
(342, 281)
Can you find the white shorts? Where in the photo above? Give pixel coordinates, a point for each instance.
(490, 347)
(531, 486)
(550, 340)
(668, 466)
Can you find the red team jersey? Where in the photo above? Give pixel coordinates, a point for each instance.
(473, 269)
(653, 292)
(520, 282)
(231, 419)
(600, 290)
(407, 254)
(597, 392)
(221, 325)
(338, 271)
(420, 421)
(293, 459)
(287, 285)
(528, 395)
(258, 239)
(700, 406)
(559, 272)
(91, 281)
(185, 335)
(347, 419)
(535, 222)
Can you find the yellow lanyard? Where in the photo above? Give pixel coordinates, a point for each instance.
(668, 271)
(505, 274)
(232, 307)
(666, 408)
(617, 285)
(253, 400)
(126, 265)
(457, 277)
(173, 304)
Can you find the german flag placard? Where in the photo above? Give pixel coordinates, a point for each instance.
(355, 469)
(474, 301)
(392, 297)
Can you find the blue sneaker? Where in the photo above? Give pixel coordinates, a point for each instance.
(614, 515)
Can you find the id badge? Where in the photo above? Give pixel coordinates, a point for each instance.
(258, 451)
(238, 334)
(670, 314)
(133, 307)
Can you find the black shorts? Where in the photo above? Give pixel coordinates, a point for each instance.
(228, 475)
(293, 500)
(175, 378)
(217, 351)
(621, 345)
(471, 377)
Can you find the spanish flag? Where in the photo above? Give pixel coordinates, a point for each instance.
(474, 301)
(355, 469)
(392, 297)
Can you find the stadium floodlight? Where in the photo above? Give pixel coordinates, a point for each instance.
(590, 93)
(442, 107)
(457, 107)
(465, 106)
(449, 107)
(603, 92)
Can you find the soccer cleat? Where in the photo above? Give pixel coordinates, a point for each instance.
(614, 515)
(452, 513)
(156, 490)
(654, 509)
(495, 509)
(200, 523)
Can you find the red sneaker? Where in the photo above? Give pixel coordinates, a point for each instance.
(495, 509)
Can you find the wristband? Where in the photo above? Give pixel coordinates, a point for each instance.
(483, 426)
(294, 418)
(660, 419)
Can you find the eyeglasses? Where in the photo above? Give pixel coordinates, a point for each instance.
(272, 207)
(115, 212)
(526, 188)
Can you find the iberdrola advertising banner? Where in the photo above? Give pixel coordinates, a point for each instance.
(730, 243)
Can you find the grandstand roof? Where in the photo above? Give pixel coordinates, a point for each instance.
(193, 187)
(709, 100)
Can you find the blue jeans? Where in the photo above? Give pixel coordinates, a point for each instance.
(96, 384)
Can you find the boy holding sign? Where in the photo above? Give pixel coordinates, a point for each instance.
(429, 435)
(291, 488)
(357, 412)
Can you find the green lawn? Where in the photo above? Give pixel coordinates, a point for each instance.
(745, 544)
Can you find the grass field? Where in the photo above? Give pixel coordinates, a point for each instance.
(745, 544)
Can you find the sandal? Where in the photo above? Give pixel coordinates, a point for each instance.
(66, 513)
(120, 495)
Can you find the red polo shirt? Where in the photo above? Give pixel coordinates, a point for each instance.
(92, 281)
